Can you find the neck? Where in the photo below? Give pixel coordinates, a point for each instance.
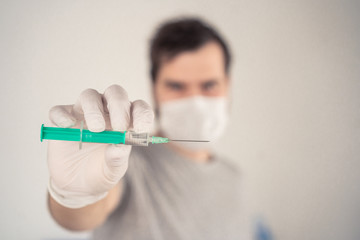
(201, 156)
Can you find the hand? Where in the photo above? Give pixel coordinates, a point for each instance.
(82, 177)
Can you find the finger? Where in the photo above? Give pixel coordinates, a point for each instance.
(118, 105)
(142, 116)
(60, 116)
(116, 164)
(91, 105)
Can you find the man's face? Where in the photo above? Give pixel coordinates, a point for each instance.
(200, 72)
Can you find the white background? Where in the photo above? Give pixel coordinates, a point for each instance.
(295, 126)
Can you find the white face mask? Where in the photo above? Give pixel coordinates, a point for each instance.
(194, 118)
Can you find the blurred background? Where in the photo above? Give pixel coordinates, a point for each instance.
(295, 128)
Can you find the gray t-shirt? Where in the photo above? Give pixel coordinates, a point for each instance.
(167, 196)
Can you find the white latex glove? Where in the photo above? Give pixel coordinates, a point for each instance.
(82, 177)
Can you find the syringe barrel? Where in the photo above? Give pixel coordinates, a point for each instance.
(82, 135)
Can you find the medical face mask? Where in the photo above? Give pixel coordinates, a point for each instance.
(194, 118)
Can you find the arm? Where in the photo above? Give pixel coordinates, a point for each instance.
(84, 184)
(88, 217)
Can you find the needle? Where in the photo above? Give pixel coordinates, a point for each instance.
(176, 140)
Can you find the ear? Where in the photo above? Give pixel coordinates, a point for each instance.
(154, 100)
(155, 105)
(227, 84)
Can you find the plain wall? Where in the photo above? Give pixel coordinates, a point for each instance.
(295, 101)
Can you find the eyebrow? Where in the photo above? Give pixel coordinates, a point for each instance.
(210, 81)
(173, 81)
(181, 82)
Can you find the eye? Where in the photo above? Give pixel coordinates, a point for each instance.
(175, 86)
(207, 86)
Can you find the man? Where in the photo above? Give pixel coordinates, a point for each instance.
(169, 191)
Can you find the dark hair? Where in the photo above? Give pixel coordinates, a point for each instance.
(180, 35)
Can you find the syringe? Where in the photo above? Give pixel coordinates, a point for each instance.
(111, 137)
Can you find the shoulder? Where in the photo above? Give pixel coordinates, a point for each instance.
(230, 167)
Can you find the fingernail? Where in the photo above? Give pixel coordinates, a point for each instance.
(67, 123)
(96, 125)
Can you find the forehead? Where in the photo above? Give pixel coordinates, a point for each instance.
(203, 63)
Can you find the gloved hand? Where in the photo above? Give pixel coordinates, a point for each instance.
(82, 177)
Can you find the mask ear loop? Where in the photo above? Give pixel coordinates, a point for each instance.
(81, 134)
